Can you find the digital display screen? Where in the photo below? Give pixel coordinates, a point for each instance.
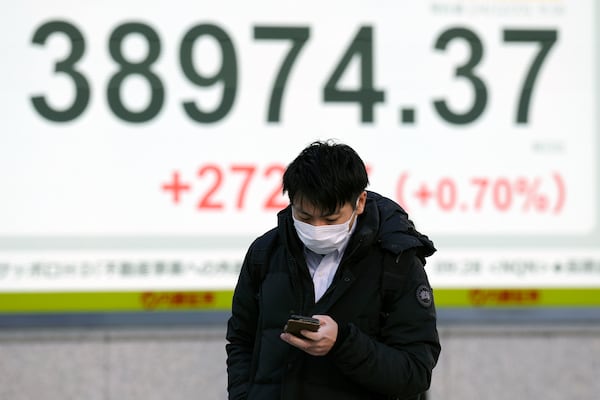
(143, 143)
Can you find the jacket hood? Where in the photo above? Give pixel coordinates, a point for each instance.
(397, 232)
(383, 220)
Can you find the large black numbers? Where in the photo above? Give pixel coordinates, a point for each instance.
(366, 96)
(298, 36)
(66, 66)
(465, 71)
(227, 74)
(141, 68)
(360, 50)
(546, 39)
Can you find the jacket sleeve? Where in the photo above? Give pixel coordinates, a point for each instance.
(241, 332)
(400, 362)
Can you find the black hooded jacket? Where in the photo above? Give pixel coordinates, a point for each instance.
(380, 297)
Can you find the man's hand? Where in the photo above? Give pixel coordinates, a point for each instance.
(316, 343)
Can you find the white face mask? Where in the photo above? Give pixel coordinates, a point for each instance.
(322, 239)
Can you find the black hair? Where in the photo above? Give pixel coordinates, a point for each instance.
(327, 175)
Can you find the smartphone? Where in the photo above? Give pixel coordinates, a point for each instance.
(296, 323)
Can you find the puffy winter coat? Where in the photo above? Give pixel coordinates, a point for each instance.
(380, 297)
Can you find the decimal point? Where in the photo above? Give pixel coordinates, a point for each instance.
(407, 115)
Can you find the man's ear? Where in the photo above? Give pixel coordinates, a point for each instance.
(362, 201)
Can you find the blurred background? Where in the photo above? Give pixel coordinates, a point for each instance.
(142, 145)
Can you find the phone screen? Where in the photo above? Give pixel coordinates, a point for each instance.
(296, 323)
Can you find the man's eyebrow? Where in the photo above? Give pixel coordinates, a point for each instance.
(323, 215)
(329, 214)
(301, 211)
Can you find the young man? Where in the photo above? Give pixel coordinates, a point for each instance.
(351, 259)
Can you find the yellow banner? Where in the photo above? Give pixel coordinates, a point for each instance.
(220, 300)
(515, 298)
(115, 301)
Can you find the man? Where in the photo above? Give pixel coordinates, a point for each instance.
(351, 259)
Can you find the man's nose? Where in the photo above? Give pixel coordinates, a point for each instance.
(318, 222)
